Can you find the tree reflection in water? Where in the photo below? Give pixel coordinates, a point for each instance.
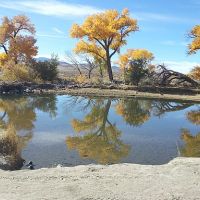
(101, 140)
(192, 144)
(136, 112)
(18, 114)
(191, 147)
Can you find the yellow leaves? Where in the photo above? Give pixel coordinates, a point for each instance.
(103, 31)
(196, 31)
(22, 22)
(92, 48)
(3, 59)
(105, 25)
(135, 54)
(81, 79)
(76, 31)
(103, 34)
(125, 11)
(195, 44)
(123, 61)
(13, 40)
(23, 48)
(195, 73)
(140, 54)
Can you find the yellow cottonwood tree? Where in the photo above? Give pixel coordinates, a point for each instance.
(14, 42)
(195, 73)
(103, 34)
(195, 44)
(142, 55)
(135, 61)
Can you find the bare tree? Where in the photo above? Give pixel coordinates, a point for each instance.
(89, 65)
(164, 77)
(74, 62)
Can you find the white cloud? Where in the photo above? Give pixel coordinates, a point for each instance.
(57, 30)
(147, 16)
(50, 7)
(180, 66)
(169, 43)
(173, 43)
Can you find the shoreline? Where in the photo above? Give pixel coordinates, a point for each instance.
(110, 90)
(179, 179)
(116, 93)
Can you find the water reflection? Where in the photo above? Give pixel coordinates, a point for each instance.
(98, 139)
(134, 111)
(101, 140)
(81, 130)
(192, 144)
(11, 146)
(18, 115)
(191, 147)
(194, 116)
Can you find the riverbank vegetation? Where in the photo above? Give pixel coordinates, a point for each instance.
(92, 61)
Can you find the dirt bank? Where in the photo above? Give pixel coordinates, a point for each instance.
(180, 179)
(125, 93)
(111, 90)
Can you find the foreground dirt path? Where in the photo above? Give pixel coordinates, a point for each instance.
(180, 179)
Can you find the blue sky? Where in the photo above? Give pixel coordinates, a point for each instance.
(163, 25)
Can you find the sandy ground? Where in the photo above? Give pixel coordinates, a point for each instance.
(179, 179)
(124, 93)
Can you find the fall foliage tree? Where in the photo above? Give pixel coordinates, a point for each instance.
(134, 64)
(103, 35)
(195, 44)
(195, 73)
(101, 138)
(17, 45)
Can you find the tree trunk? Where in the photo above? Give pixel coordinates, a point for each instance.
(100, 70)
(89, 74)
(109, 67)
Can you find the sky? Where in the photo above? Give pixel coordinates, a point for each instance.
(163, 25)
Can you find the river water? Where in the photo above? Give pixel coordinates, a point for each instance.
(72, 130)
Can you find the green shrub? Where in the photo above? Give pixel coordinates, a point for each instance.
(47, 70)
(135, 72)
